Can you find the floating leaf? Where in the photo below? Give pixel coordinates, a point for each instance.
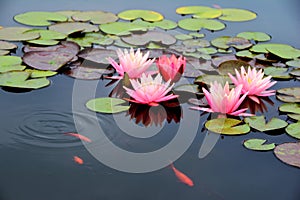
(245, 54)
(295, 72)
(191, 88)
(258, 145)
(34, 73)
(96, 17)
(98, 55)
(295, 116)
(92, 38)
(183, 37)
(289, 153)
(256, 36)
(208, 50)
(196, 43)
(4, 52)
(294, 63)
(227, 126)
(290, 108)
(290, 95)
(163, 24)
(63, 47)
(10, 63)
(47, 37)
(19, 79)
(192, 9)
(147, 15)
(39, 18)
(281, 50)
(237, 15)
(259, 123)
(277, 72)
(73, 27)
(150, 36)
(224, 42)
(17, 34)
(230, 66)
(197, 35)
(293, 130)
(192, 24)
(208, 14)
(121, 28)
(207, 79)
(7, 45)
(68, 13)
(107, 105)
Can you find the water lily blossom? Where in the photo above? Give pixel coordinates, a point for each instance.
(151, 91)
(254, 83)
(171, 68)
(132, 63)
(223, 100)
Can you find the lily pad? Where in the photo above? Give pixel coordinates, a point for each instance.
(259, 123)
(147, 15)
(95, 17)
(47, 37)
(227, 126)
(277, 72)
(294, 63)
(197, 35)
(224, 42)
(230, 66)
(183, 37)
(293, 130)
(237, 15)
(98, 55)
(87, 70)
(245, 54)
(192, 24)
(19, 79)
(256, 36)
(158, 37)
(294, 116)
(121, 28)
(191, 88)
(258, 145)
(107, 105)
(289, 95)
(17, 34)
(92, 38)
(185, 10)
(10, 63)
(208, 79)
(208, 14)
(4, 52)
(36, 18)
(68, 13)
(208, 50)
(34, 73)
(290, 108)
(163, 24)
(281, 50)
(7, 45)
(196, 43)
(295, 72)
(289, 153)
(63, 47)
(73, 27)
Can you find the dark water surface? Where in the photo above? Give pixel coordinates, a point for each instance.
(36, 157)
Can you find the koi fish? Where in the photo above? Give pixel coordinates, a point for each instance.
(78, 160)
(81, 137)
(182, 177)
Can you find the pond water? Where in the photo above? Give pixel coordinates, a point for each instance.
(36, 157)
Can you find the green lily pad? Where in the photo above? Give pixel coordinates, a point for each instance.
(10, 63)
(157, 37)
(293, 63)
(227, 126)
(121, 28)
(259, 123)
(191, 88)
(245, 54)
(98, 55)
(7, 45)
(192, 24)
(207, 50)
(196, 43)
(258, 145)
(237, 15)
(224, 42)
(230, 66)
(4, 52)
(17, 34)
(73, 27)
(289, 153)
(197, 55)
(294, 116)
(47, 37)
(163, 24)
(293, 130)
(19, 79)
(92, 38)
(197, 35)
(216, 61)
(290, 108)
(147, 15)
(207, 79)
(256, 36)
(107, 105)
(68, 13)
(34, 73)
(295, 72)
(185, 10)
(281, 50)
(183, 37)
(277, 72)
(39, 18)
(208, 14)
(95, 17)
(289, 95)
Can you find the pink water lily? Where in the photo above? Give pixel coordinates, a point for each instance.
(132, 63)
(151, 91)
(223, 100)
(171, 68)
(254, 83)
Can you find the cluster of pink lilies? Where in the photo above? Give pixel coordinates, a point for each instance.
(146, 89)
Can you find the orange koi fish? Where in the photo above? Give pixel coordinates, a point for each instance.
(81, 137)
(78, 160)
(182, 177)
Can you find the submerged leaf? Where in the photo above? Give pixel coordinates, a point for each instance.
(289, 153)
(107, 105)
(258, 145)
(227, 126)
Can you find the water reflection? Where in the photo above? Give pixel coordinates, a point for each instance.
(255, 107)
